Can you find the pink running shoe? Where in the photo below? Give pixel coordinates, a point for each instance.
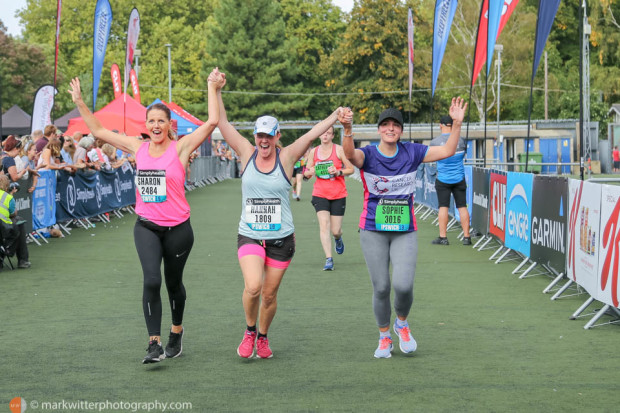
(262, 348)
(246, 348)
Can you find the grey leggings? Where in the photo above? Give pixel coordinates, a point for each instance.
(401, 249)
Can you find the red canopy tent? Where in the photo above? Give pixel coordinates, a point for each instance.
(128, 117)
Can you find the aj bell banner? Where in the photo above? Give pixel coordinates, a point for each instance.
(87, 195)
(480, 200)
(584, 234)
(497, 207)
(609, 246)
(43, 205)
(519, 212)
(549, 221)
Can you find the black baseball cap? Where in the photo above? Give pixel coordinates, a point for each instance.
(445, 120)
(391, 113)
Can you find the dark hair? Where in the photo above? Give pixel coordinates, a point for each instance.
(166, 110)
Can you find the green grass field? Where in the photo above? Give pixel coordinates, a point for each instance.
(72, 328)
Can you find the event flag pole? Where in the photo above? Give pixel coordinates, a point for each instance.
(473, 74)
(410, 60)
(102, 24)
(58, 10)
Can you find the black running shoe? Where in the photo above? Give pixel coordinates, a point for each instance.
(440, 241)
(154, 353)
(466, 240)
(174, 348)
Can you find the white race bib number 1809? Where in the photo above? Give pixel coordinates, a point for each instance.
(263, 214)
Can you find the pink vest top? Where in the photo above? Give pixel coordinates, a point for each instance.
(160, 190)
(327, 186)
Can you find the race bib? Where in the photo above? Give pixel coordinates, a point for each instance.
(263, 214)
(392, 215)
(297, 165)
(320, 169)
(151, 184)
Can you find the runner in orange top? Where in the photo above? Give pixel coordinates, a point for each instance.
(328, 163)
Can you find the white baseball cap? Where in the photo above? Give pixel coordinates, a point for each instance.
(267, 124)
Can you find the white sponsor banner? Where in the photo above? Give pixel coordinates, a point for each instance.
(608, 248)
(584, 234)
(42, 107)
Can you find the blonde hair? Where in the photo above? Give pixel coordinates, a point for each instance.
(109, 151)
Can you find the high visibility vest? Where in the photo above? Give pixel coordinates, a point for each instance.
(5, 200)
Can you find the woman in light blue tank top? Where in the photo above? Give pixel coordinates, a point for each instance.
(266, 240)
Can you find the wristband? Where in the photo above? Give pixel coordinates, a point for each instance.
(347, 136)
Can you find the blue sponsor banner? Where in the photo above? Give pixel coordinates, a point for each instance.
(546, 15)
(444, 13)
(469, 194)
(43, 205)
(495, 15)
(419, 186)
(519, 212)
(103, 22)
(430, 193)
(85, 195)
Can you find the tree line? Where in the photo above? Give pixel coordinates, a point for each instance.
(297, 59)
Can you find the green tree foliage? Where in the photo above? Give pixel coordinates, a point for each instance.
(24, 67)
(286, 57)
(247, 40)
(370, 62)
(181, 24)
(315, 28)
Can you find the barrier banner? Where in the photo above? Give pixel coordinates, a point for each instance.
(609, 246)
(23, 202)
(468, 194)
(419, 187)
(519, 212)
(86, 195)
(480, 200)
(497, 213)
(583, 233)
(549, 221)
(43, 200)
(430, 193)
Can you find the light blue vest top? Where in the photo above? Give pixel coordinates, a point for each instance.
(265, 206)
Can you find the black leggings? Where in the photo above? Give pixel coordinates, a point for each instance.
(173, 245)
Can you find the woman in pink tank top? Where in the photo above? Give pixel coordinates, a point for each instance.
(329, 195)
(162, 231)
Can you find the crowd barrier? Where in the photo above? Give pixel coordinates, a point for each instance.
(564, 227)
(61, 197)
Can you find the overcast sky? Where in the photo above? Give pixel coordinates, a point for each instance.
(7, 12)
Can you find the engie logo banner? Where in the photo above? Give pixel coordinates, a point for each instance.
(584, 233)
(609, 250)
(519, 212)
(549, 221)
(497, 210)
(480, 200)
(87, 195)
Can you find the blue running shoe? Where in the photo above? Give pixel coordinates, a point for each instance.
(329, 264)
(339, 245)
(406, 342)
(384, 351)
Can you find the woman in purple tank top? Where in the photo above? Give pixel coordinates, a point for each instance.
(162, 231)
(388, 233)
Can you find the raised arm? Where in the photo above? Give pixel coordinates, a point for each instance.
(355, 156)
(347, 166)
(235, 140)
(457, 113)
(290, 154)
(124, 143)
(189, 143)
